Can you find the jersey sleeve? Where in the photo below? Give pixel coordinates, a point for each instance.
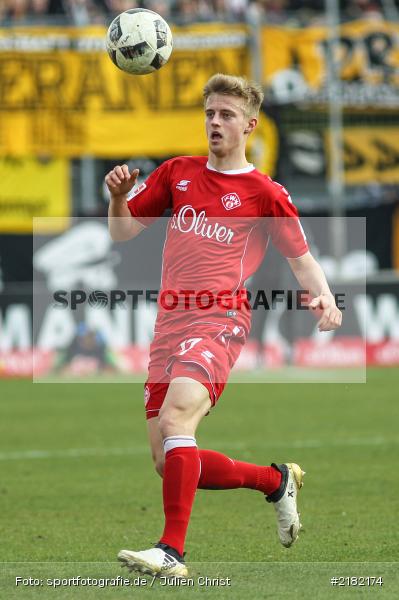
(284, 226)
(151, 198)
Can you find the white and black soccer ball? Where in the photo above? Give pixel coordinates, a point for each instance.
(139, 41)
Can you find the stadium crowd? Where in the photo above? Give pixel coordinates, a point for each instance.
(84, 12)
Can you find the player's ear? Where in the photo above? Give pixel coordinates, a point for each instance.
(251, 125)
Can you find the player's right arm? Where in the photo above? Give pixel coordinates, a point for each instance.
(122, 226)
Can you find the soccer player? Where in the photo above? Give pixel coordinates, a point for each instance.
(223, 213)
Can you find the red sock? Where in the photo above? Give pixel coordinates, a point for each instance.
(180, 481)
(219, 472)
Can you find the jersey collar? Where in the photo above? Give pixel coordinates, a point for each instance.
(247, 169)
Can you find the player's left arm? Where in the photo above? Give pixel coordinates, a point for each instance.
(311, 277)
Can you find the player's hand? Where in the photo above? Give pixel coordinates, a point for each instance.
(331, 316)
(119, 181)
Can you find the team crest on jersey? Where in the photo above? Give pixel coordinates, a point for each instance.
(183, 185)
(231, 201)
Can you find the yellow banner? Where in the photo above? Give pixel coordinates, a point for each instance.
(395, 239)
(367, 55)
(371, 155)
(30, 188)
(61, 94)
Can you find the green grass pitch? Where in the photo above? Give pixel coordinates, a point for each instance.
(77, 485)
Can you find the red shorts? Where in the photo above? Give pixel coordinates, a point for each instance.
(205, 351)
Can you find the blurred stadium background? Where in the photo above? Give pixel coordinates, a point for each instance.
(329, 132)
(77, 479)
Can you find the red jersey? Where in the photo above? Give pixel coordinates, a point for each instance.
(219, 230)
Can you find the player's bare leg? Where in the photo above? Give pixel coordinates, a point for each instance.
(156, 445)
(186, 402)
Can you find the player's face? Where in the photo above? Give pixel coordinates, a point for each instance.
(227, 125)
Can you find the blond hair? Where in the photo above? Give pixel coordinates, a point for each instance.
(230, 85)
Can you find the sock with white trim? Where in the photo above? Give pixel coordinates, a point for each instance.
(180, 480)
(220, 472)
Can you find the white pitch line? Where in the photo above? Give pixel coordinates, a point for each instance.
(72, 453)
(104, 452)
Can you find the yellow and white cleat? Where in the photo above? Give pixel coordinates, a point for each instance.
(285, 502)
(155, 561)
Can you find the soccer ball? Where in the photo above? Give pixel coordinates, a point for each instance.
(139, 41)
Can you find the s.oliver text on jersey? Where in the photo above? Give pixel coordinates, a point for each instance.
(187, 220)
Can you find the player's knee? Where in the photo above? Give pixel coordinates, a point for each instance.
(168, 419)
(183, 408)
(177, 421)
